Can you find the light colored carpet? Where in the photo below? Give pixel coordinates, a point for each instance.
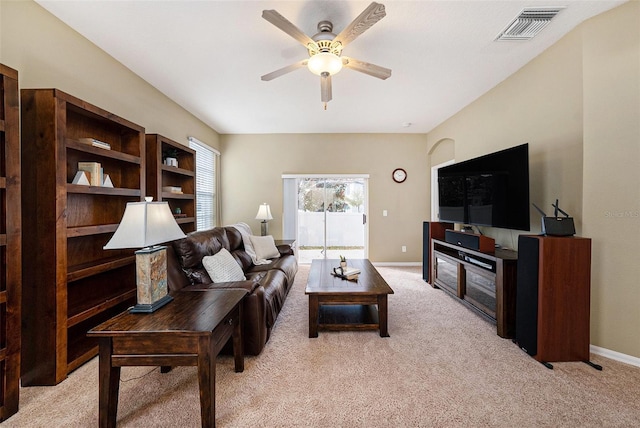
(443, 366)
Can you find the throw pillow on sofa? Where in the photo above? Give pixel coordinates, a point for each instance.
(264, 247)
(222, 267)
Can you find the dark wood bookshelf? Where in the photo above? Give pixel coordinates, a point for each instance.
(73, 283)
(159, 175)
(10, 243)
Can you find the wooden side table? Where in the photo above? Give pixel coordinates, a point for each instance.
(189, 331)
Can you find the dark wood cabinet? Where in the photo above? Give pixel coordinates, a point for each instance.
(485, 282)
(70, 283)
(10, 243)
(175, 184)
(553, 303)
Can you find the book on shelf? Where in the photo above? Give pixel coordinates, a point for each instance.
(94, 171)
(95, 143)
(172, 189)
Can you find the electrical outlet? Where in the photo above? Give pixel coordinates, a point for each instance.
(404, 248)
(384, 213)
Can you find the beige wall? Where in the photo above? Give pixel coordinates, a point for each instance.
(252, 168)
(578, 106)
(49, 54)
(611, 205)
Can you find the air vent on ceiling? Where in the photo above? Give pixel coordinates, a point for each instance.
(529, 23)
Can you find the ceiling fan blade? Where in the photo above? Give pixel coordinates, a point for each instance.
(325, 88)
(284, 70)
(285, 25)
(372, 14)
(366, 68)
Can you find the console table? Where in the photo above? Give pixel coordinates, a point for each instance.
(189, 331)
(486, 282)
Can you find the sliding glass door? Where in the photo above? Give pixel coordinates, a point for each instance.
(331, 217)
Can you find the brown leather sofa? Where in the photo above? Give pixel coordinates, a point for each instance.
(267, 285)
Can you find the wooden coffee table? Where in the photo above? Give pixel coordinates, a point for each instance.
(336, 304)
(189, 331)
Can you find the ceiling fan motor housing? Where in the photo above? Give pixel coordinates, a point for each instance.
(324, 40)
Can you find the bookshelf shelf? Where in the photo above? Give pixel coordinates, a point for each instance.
(98, 190)
(176, 170)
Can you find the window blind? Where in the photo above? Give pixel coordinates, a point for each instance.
(206, 195)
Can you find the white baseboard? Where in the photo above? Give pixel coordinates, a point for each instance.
(613, 355)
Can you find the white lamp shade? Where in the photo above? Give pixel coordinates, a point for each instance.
(324, 61)
(144, 224)
(264, 212)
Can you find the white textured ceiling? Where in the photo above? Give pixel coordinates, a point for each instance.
(208, 56)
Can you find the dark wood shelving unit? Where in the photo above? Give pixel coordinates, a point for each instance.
(10, 243)
(485, 282)
(73, 284)
(159, 175)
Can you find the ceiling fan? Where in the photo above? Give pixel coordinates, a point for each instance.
(325, 48)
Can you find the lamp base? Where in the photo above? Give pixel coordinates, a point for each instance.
(263, 228)
(146, 308)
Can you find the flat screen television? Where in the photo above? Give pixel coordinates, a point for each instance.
(490, 190)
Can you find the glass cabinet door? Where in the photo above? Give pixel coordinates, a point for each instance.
(446, 274)
(480, 290)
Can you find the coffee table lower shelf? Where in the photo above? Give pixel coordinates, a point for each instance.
(348, 317)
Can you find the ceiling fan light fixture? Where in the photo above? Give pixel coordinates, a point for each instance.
(324, 62)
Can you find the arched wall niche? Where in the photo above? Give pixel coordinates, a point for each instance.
(442, 151)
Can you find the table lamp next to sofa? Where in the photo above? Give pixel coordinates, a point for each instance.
(264, 214)
(144, 225)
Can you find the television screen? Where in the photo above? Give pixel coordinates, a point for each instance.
(490, 190)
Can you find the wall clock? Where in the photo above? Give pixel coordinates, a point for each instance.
(399, 175)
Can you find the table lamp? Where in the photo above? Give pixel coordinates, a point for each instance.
(264, 214)
(144, 225)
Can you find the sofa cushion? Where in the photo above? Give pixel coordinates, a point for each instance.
(265, 247)
(222, 267)
(194, 247)
(288, 265)
(275, 293)
(235, 238)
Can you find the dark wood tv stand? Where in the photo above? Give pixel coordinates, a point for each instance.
(485, 282)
